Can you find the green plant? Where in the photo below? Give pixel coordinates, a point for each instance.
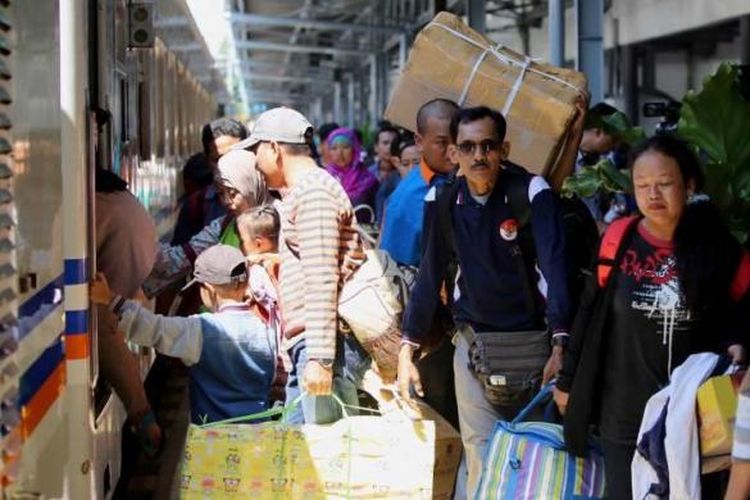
(716, 121)
(604, 176)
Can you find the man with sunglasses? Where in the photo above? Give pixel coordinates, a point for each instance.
(499, 288)
(319, 249)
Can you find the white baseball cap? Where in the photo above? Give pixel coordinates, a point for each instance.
(282, 124)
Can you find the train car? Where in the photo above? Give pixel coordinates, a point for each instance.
(74, 96)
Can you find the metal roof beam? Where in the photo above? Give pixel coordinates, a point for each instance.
(283, 78)
(300, 49)
(250, 20)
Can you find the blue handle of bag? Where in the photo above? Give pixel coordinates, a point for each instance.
(544, 392)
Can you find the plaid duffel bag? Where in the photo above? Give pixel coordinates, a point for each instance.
(528, 460)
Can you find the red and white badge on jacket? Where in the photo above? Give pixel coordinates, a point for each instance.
(509, 229)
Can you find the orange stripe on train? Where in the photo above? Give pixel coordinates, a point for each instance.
(33, 412)
(76, 346)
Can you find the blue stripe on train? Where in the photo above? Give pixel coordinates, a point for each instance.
(40, 370)
(76, 321)
(76, 272)
(30, 313)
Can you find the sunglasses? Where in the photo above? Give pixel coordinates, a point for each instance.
(487, 146)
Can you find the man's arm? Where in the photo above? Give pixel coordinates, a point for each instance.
(551, 249)
(319, 234)
(174, 262)
(425, 295)
(549, 239)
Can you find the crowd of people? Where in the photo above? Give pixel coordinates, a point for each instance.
(270, 227)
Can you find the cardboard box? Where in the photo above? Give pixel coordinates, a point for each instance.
(717, 407)
(450, 60)
(448, 447)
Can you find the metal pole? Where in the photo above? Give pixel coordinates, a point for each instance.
(402, 42)
(373, 104)
(350, 97)
(745, 39)
(337, 102)
(590, 18)
(477, 13)
(556, 30)
(630, 82)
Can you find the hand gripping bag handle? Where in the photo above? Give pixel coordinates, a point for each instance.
(544, 392)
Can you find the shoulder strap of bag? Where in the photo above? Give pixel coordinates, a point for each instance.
(611, 241)
(741, 281)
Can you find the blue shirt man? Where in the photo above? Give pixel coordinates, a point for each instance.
(402, 228)
(401, 233)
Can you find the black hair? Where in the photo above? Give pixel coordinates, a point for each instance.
(386, 126)
(108, 182)
(325, 130)
(679, 151)
(397, 147)
(198, 170)
(469, 115)
(602, 109)
(219, 127)
(706, 252)
(442, 109)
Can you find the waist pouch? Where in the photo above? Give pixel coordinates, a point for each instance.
(509, 364)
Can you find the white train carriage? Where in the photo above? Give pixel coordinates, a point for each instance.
(73, 94)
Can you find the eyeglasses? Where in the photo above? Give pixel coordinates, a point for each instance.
(486, 147)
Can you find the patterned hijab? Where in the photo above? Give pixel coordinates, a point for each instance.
(355, 178)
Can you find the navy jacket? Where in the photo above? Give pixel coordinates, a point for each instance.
(490, 293)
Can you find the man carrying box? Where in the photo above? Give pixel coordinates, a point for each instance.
(498, 295)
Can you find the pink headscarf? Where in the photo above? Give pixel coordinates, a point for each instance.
(356, 180)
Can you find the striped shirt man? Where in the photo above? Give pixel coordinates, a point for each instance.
(320, 248)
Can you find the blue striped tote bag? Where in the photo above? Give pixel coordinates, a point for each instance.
(528, 460)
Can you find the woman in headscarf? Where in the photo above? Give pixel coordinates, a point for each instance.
(241, 187)
(345, 165)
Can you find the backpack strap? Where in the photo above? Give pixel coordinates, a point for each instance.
(741, 282)
(517, 191)
(516, 187)
(609, 246)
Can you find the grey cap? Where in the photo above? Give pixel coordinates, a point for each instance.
(278, 124)
(219, 265)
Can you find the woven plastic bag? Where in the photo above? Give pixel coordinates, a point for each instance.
(356, 457)
(528, 460)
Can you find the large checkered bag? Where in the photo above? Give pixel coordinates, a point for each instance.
(528, 460)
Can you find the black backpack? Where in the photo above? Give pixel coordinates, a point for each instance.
(581, 233)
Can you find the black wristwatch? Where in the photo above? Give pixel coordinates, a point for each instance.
(560, 340)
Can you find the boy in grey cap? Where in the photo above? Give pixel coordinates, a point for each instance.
(230, 352)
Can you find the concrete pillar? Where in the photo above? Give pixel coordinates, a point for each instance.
(556, 30)
(590, 19)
